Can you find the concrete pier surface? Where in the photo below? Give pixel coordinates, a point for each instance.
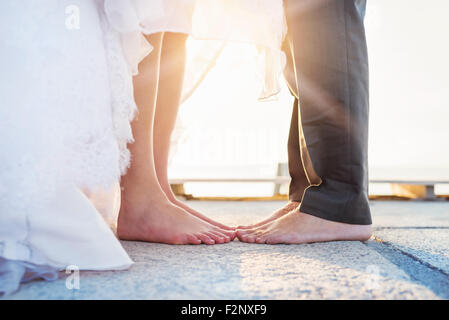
(407, 258)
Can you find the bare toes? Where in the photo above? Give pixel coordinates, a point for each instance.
(247, 235)
(250, 238)
(229, 234)
(245, 232)
(225, 237)
(240, 235)
(205, 238)
(275, 239)
(191, 239)
(216, 237)
(260, 239)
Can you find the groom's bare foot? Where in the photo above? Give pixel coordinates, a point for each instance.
(291, 205)
(298, 227)
(150, 216)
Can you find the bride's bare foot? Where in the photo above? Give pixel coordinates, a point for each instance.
(172, 198)
(146, 213)
(150, 216)
(291, 205)
(298, 227)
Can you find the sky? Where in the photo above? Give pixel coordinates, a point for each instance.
(409, 82)
(224, 130)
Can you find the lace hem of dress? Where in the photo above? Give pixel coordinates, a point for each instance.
(123, 106)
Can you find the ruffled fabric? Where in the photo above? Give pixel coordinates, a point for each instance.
(258, 22)
(67, 101)
(67, 231)
(123, 106)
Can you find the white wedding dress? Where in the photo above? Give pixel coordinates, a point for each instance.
(66, 105)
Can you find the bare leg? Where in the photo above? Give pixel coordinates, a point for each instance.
(173, 54)
(145, 213)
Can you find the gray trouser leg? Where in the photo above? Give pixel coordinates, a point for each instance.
(329, 55)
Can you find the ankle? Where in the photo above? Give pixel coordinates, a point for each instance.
(292, 204)
(165, 186)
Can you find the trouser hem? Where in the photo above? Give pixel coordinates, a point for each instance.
(334, 216)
